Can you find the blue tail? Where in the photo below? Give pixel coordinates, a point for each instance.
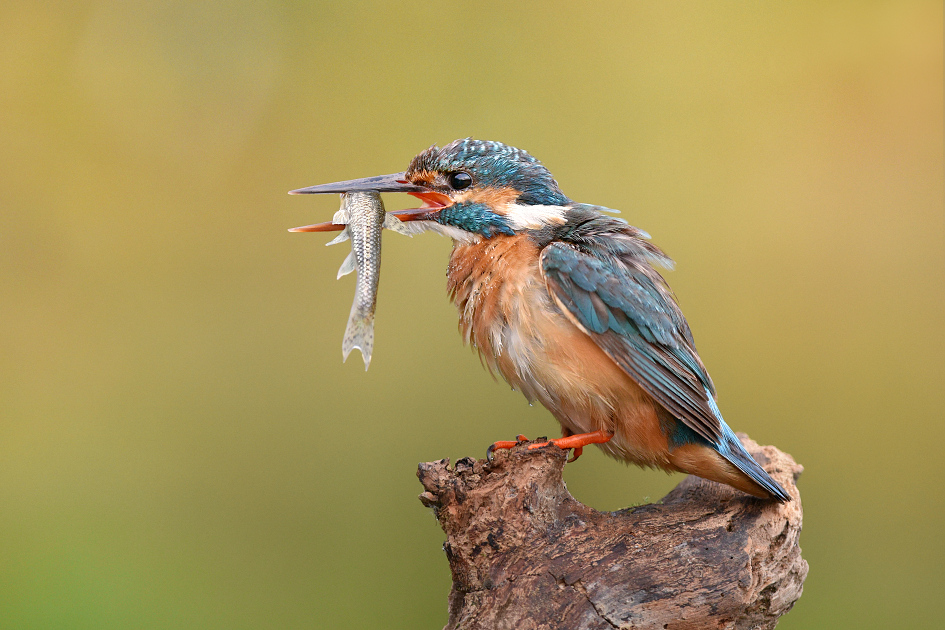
(730, 447)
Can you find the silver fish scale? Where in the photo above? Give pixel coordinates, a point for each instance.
(364, 215)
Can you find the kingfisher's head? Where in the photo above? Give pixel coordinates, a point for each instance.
(471, 189)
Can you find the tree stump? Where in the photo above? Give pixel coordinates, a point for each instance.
(525, 554)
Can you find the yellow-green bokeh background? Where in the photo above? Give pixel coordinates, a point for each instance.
(180, 443)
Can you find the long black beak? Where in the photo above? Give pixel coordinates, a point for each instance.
(382, 183)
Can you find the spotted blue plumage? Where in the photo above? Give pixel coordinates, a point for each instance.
(494, 165)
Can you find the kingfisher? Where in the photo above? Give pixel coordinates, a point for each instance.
(566, 303)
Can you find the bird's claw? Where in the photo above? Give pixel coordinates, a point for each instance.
(490, 452)
(575, 453)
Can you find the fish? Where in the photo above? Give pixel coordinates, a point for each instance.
(364, 218)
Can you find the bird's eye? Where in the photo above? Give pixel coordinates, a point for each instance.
(458, 181)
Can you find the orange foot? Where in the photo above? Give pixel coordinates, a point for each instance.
(490, 452)
(577, 442)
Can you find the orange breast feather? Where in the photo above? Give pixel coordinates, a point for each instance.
(507, 314)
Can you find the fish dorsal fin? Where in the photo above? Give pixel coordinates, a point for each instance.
(348, 265)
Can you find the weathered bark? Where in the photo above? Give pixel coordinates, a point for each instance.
(525, 554)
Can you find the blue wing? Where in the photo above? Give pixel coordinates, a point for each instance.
(603, 279)
(610, 289)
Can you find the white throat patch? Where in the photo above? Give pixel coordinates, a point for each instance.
(525, 217)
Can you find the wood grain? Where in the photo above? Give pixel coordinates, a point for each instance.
(525, 554)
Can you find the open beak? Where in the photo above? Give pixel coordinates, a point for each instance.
(433, 202)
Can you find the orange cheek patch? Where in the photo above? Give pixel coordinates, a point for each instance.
(494, 198)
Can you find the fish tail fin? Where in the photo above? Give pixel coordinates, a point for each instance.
(359, 334)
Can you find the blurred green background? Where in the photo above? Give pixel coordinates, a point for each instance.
(180, 443)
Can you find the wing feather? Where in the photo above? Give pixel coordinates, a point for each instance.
(623, 305)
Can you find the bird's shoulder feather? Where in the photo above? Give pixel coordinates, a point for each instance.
(599, 271)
